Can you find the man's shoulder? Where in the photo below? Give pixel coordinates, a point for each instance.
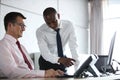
(66, 24)
(66, 21)
(3, 40)
(42, 27)
(4, 43)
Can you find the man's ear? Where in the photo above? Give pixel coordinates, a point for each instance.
(10, 26)
(58, 15)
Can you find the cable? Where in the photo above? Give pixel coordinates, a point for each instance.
(116, 61)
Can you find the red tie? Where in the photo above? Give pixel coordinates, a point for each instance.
(24, 56)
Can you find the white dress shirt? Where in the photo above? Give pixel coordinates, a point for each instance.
(12, 63)
(46, 37)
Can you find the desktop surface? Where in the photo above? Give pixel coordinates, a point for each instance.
(111, 77)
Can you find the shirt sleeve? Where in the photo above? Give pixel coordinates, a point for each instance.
(10, 68)
(44, 50)
(73, 44)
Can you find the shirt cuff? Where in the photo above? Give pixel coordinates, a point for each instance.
(41, 73)
(57, 59)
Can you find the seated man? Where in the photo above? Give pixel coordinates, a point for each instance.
(14, 59)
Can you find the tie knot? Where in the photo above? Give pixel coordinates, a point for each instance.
(18, 43)
(57, 30)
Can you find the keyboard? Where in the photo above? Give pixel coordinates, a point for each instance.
(65, 76)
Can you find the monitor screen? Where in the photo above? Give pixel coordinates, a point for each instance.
(111, 49)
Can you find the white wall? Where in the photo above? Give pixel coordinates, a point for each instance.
(73, 10)
(77, 12)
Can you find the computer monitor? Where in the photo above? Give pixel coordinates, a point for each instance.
(104, 62)
(89, 66)
(111, 50)
(109, 67)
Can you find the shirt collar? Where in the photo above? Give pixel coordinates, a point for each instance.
(59, 26)
(10, 38)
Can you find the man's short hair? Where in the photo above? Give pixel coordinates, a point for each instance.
(11, 17)
(48, 11)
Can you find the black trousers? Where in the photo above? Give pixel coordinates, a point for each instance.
(45, 65)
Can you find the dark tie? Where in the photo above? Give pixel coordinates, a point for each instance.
(59, 43)
(24, 56)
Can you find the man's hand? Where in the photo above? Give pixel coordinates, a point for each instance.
(66, 61)
(53, 73)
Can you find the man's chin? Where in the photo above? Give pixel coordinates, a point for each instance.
(19, 36)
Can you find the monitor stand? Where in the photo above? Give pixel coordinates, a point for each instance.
(94, 71)
(108, 68)
(92, 68)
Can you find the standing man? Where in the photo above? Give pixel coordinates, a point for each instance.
(51, 56)
(14, 59)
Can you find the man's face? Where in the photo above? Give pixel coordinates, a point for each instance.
(17, 28)
(52, 20)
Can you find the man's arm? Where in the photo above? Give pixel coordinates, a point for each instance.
(44, 50)
(11, 69)
(53, 73)
(73, 45)
(66, 61)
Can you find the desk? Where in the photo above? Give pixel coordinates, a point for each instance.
(113, 77)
